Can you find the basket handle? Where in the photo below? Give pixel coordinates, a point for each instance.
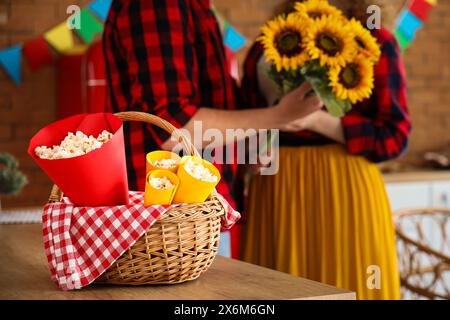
(56, 193)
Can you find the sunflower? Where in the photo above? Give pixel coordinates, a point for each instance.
(316, 9)
(353, 81)
(283, 39)
(330, 42)
(367, 45)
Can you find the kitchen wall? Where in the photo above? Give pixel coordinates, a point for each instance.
(29, 107)
(25, 109)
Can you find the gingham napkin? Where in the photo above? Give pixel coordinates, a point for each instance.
(83, 242)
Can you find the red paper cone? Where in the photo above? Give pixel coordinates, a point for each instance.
(98, 178)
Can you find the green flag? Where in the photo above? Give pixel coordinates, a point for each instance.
(403, 41)
(89, 26)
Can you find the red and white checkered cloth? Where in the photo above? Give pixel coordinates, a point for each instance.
(83, 242)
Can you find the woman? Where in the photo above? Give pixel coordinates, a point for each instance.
(325, 215)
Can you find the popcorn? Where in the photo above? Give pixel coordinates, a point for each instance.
(200, 172)
(73, 145)
(160, 183)
(164, 163)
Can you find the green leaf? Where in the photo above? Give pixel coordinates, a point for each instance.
(336, 107)
(286, 81)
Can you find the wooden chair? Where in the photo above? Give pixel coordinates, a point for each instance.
(423, 244)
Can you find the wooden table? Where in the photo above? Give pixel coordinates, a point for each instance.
(24, 275)
(417, 176)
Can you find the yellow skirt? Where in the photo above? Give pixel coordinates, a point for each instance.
(325, 216)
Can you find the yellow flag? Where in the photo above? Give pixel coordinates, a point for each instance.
(60, 37)
(432, 2)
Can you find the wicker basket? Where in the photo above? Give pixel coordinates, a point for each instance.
(180, 246)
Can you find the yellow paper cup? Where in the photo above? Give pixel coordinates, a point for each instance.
(159, 155)
(193, 190)
(153, 196)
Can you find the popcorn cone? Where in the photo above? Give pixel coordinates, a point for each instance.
(191, 189)
(153, 196)
(98, 178)
(159, 155)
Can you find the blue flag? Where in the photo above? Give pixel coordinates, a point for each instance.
(100, 8)
(10, 60)
(408, 23)
(233, 39)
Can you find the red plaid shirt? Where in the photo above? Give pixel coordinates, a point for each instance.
(378, 128)
(165, 58)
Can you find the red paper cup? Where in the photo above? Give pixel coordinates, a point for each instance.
(98, 178)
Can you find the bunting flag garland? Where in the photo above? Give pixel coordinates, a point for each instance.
(411, 19)
(409, 24)
(403, 41)
(420, 9)
(90, 26)
(60, 38)
(10, 59)
(37, 53)
(100, 8)
(233, 39)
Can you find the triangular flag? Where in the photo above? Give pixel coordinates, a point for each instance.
(408, 23)
(60, 37)
(10, 60)
(100, 8)
(233, 39)
(432, 2)
(90, 26)
(37, 52)
(403, 41)
(420, 8)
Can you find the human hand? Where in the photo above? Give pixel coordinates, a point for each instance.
(297, 104)
(320, 122)
(306, 123)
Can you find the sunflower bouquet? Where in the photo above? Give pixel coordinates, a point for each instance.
(318, 44)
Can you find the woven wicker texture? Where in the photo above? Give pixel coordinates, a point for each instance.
(180, 246)
(424, 253)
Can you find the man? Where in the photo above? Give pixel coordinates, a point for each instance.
(166, 57)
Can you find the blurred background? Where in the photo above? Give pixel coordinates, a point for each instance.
(38, 99)
(70, 82)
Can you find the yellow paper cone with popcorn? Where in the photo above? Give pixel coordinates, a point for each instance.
(198, 178)
(160, 187)
(162, 160)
